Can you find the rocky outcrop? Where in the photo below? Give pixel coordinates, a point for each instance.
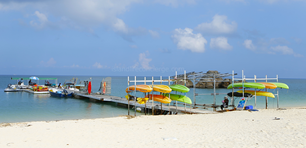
(181, 82)
(207, 80)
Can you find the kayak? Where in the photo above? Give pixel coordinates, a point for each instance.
(281, 85)
(258, 93)
(140, 88)
(269, 85)
(180, 98)
(179, 88)
(159, 98)
(246, 85)
(139, 100)
(162, 88)
(237, 94)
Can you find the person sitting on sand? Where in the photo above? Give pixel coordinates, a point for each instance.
(224, 103)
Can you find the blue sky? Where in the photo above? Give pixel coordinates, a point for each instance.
(157, 37)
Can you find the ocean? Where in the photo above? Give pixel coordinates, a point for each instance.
(25, 107)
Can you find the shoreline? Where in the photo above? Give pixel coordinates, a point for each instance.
(131, 116)
(264, 128)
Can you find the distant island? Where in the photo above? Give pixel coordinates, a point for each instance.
(208, 82)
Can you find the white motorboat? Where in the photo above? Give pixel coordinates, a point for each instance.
(12, 88)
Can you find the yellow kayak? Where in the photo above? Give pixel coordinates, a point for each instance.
(258, 93)
(269, 85)
(162, 88)
(140, 88)
(139, 100)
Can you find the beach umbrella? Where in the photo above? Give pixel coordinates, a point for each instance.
(34, 78)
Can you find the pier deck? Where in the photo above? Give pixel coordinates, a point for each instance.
(148, 106)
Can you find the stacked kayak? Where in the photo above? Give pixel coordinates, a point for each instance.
(147, 89)
(258, 93)
(160, 98)
(139, 88)
(177, 97)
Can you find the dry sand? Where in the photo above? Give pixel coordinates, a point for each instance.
(229, 129)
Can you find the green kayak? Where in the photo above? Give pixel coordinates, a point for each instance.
(280, 85)
(180, 98)
(247, 85)
(179, 88)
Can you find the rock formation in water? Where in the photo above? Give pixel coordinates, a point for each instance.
(205, 80)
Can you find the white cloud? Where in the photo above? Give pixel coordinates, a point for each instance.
(278, 41)
(165, 50)
(218, 25)
(174, 3)
(297, 40)
(75, 66)
(144, 61)
(186, 40)
(42, 18)
(98, 65)
(228, 1)
(154, 34)
(134, 46)
(80, 14)
(49, 63)
(285, 50)
(120, 26)
(249, 45)
(220, 43)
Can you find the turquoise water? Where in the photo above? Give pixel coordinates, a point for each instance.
(23, 106)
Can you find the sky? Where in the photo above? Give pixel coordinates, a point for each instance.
(153, 37)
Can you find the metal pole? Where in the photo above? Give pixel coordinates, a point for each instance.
(145, 105)
(243, 78)
(128, 96)
(185, 80)
(266, 90)
(194, 93)
(233, 81)
(145, 82)
(214, 92)
(135, 96)
(277, 92)
(169, 95)
(152, 96)
(255, 91)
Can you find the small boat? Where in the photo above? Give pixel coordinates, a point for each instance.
(258, 93)
(159, 98)
(269, 85)
(246, 85)
(237, 94)
(140, 88)
(179, 88)
(60, 92)
(162, 88)
(180, 98)
(280, 85)
(139, 100)
(12, 88)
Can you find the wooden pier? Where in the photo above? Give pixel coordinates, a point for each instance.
(158, 108)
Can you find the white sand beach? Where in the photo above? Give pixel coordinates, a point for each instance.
(265, 128)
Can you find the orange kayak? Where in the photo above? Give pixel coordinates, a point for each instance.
(269, 85)
(140, 88)
(159, 98)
